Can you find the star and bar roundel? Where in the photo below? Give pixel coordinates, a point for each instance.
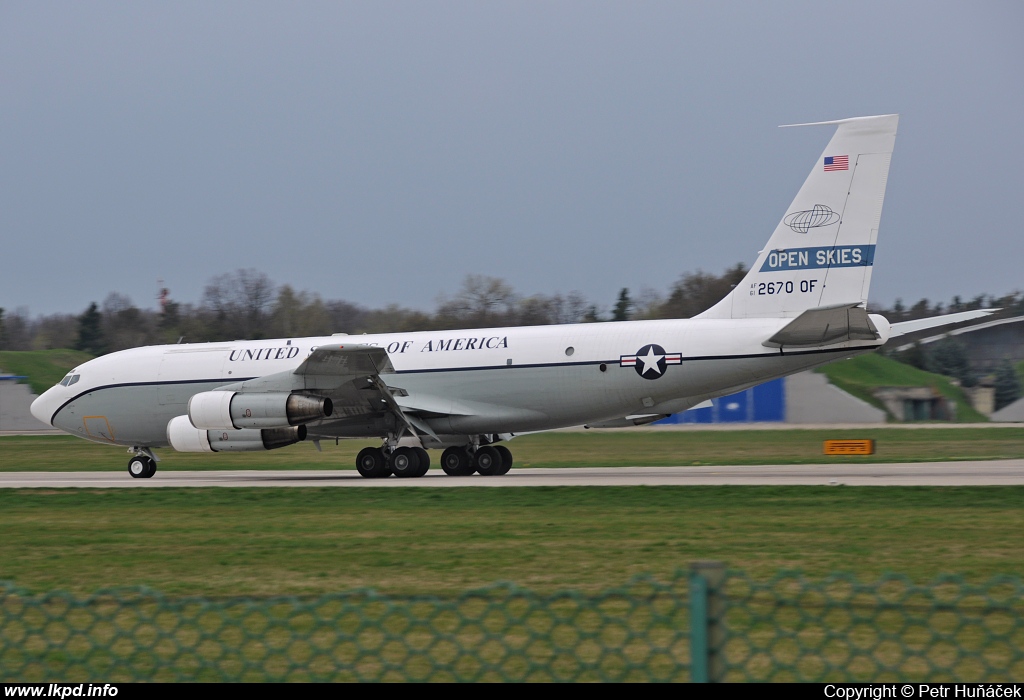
(651, 360)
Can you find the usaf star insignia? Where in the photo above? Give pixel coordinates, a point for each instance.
(651, 360)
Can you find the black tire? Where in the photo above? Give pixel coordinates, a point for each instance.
(141, 467)
(370, 463)
(456, 461)
(405, 463)
(506, 459)
(424, 460)
(487, 461)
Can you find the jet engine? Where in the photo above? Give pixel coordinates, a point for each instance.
(226, 410)
(184, 437)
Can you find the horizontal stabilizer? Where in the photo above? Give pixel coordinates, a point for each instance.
(923, 324)
(824, 326)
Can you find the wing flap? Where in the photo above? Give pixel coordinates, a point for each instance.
(346, 360)
(826, 325)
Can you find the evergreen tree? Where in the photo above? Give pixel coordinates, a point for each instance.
(1007, 385)
(949, 357)
(623, 306)
(898, 310)
(3, 331)
(90, 331)
(170, 318)
(915, 356)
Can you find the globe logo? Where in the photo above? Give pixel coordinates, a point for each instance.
(803, 221)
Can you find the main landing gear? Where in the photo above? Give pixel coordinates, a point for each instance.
(404, 462)
(410, 462)
(488, 460)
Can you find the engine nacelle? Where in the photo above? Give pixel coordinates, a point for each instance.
(184, 437)
(226, 410)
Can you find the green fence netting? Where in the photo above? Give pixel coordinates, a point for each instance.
(704, 624)
(502, 633)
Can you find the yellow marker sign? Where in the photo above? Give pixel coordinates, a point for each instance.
(849, 447)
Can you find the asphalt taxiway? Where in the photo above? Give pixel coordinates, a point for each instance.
(1008, 472)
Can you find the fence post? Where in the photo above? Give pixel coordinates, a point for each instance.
(707, 621)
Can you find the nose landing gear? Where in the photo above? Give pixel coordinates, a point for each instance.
(141, 466)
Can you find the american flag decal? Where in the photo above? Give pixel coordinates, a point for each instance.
(837, 163)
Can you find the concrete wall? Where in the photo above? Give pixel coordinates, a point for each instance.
(1014, 413)
(811, 399)
(15, 400)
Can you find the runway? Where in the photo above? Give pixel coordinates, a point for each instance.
(987, 473)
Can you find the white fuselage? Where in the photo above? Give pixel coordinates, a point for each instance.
(496, 380)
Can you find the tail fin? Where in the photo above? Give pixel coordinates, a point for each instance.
(822, 251)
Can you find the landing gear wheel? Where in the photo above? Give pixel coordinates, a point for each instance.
(405, 462)
(487, 461)
(141, 467)
(370, 463)
(506, 459)
(456, 461)
(424, 460)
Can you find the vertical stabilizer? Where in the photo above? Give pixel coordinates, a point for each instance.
(823, 250)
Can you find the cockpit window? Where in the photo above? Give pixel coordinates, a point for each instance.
(74, 379)
(70, 379)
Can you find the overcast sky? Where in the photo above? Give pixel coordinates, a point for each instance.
(379, 152)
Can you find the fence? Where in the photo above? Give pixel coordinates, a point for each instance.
(705, 624)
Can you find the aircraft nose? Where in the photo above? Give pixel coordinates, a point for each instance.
(40, 408)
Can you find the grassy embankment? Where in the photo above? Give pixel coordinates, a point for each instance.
(225, 542)
(44, 368)
(861, 375)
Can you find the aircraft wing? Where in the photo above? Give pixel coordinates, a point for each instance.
(351, 376)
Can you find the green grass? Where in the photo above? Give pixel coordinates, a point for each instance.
(647, 447)
(859, 376)
(44, 368)
(226, 542)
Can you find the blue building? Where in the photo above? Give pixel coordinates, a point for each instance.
(764, 403)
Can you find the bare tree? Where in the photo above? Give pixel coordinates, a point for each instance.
(698, 291)
(239, 303)
(125, 325)
(483, 301)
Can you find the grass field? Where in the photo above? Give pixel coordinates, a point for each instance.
(649, 447)
(223, 542)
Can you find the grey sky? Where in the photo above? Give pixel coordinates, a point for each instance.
(379, 152)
